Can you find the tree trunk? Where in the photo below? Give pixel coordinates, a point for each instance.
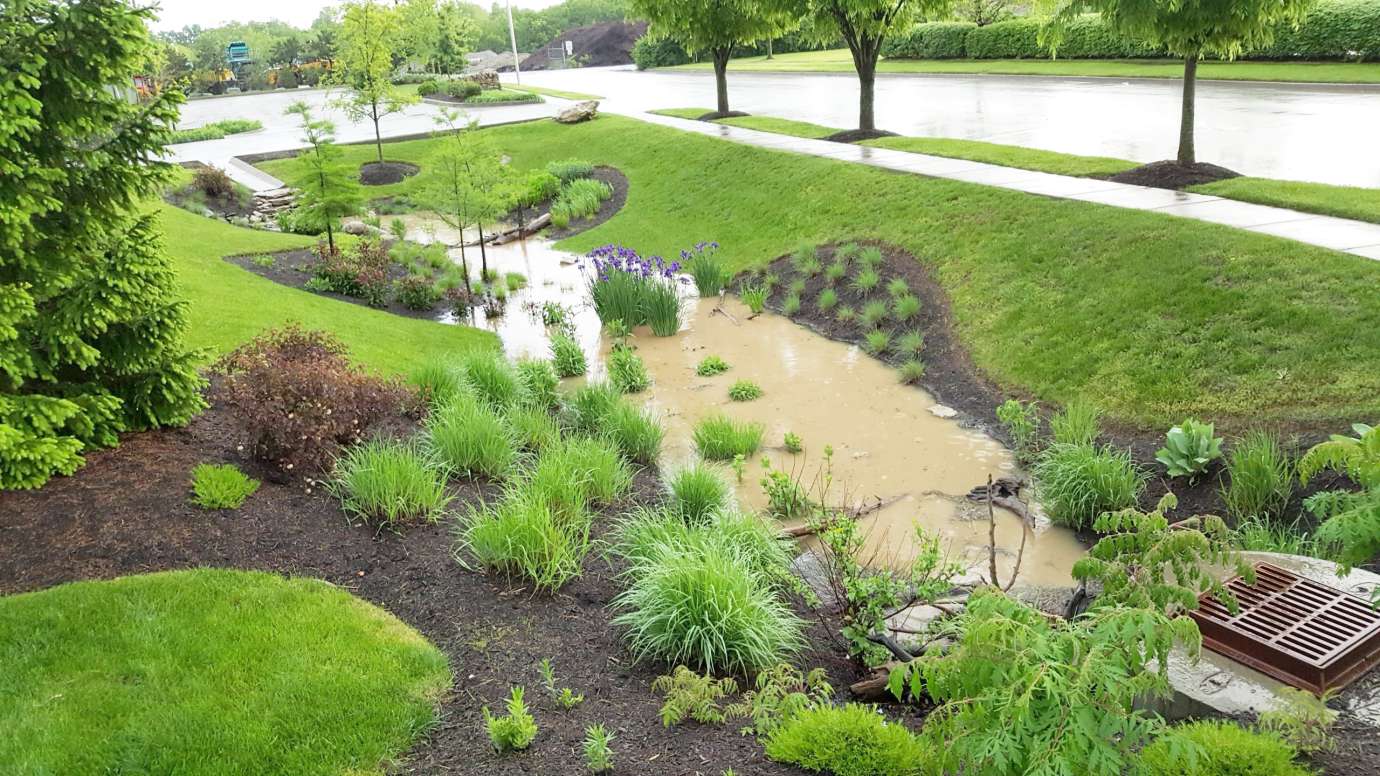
(769, 51)
(865, 52)
(483, 255)
(1186, 151)
(378, 140)
(464, 263)
(721, 76)
(330, 237)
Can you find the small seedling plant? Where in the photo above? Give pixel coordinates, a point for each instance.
(793, 443)
(689, 695)
(745, 390)
(710, 366)
(565, 698)
(514, 732)
(221, 486)
(598, 754)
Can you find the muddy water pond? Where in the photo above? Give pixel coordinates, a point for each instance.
(887, 444)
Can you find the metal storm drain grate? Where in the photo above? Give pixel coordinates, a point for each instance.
(1298, 631)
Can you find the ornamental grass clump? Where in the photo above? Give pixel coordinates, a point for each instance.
(904, 308)
(865, 282)
(570, 169)
(471, 438)
(526, 536)
(911, 371)
(705, 609)
(1260, 477)
(539, 382)
(636, 433)
(897, 288)
(491, 378)
(627, 372)
(791, 305)
(695, 492)
(755, 297)
(719, 438)
(1076, 424)
(390, 483)
(873, 313)
(910, 343)
(578, 199)
(1077, 483)
(827, 300)
(587, 407)
(836, 271)
(567, 357)
(705, 268)
(877, 341)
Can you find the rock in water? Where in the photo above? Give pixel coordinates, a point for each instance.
(580, 111)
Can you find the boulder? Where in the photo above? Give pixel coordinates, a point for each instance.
(580, 111)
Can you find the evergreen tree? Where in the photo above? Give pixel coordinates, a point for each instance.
(90, 327)
(329, 191)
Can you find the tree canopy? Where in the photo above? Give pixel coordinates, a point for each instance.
(715, 26)
(369, 35)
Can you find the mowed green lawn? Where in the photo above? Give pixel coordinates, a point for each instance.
(1343, 201)
(1152, 317)
(209, 672)
(840, 61)
(229, 305)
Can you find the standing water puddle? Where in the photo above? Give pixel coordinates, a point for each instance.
(887, 444)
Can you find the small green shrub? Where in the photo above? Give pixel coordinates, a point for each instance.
(567, 356)
(1022, 422)
(221, 486)
(911, 371)
(910, 343)
(696, 492)
(636, 433)
(792, 443)
(471, 439)
(1260, 477)
(514, 732)
(852, 740)
(526, 536)
(905, 308)
(1076, 483)
(897, 288)
(416, 292)
(719, 438)
(845, 314)
(710, 366)
(873, 313)
(598, 754)
(1223, 749)
(627, 372)
(1076, 424)
(755, 297)
(877, 341)
(1189, 449)
(827, 300)
(691, 696)
(570, 169)
(1302, 720)
(791, 305)
(786, 497)
(744, 390)
(390, 483)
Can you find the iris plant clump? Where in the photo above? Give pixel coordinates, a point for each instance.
(634, 289)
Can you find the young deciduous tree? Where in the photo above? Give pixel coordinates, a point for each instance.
(364, 64)
(864, 26)
(90, 324)
(329, 190)
(469, 184)
(1187, 28)
(458, 33)
(419, 34)
(715, 26)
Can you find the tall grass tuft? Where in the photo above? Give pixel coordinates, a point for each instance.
(755, 297)
(437, 382)
(533, 428)
(1076, 424)
(696, 492)
(1260, 477)
(706, 270)
(910, 343)
(589, 405)
(827, 300)
(1263, 534)
(390, 483)
(567, 357)
(472, 439)
(1076, 483)
(627, 373)
(719, 438)
(604, 472)
(525, 536)
(706, 609)
(877, 341)
(637, 433)
(491, 378)
(539, 381)
(905, 307)
(662, 307)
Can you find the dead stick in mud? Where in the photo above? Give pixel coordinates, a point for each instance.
(718, 308)
(991, 535)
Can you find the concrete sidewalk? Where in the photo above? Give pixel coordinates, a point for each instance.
(1355, 237)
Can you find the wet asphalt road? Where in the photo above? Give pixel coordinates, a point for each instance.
(1311, 132)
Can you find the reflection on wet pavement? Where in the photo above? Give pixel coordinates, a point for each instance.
(887, 444)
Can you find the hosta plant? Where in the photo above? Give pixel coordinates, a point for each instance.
(1189, 449)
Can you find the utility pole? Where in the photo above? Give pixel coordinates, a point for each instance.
(512, 36)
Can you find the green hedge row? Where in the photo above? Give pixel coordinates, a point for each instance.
(1333, 30)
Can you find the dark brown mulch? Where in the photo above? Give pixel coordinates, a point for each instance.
(293, 268)
(1171, 174)
(954, 380)
(126, 512)
(714, 115)
(858, 135)
(384, 173)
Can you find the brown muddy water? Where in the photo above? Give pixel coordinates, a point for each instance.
(887, 444)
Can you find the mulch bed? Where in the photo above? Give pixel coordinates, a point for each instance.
(858, 135)
(384, 173)
(953, 379)
(127, 512)
(293, 268)
(1171, 174)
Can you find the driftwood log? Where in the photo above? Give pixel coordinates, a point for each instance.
(873, 687)
(1005, 493)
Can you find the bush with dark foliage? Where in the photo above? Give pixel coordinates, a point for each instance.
(299, 398)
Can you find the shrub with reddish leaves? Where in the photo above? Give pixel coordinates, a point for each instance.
(362, 271)
(213, 181)
(300, 398)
